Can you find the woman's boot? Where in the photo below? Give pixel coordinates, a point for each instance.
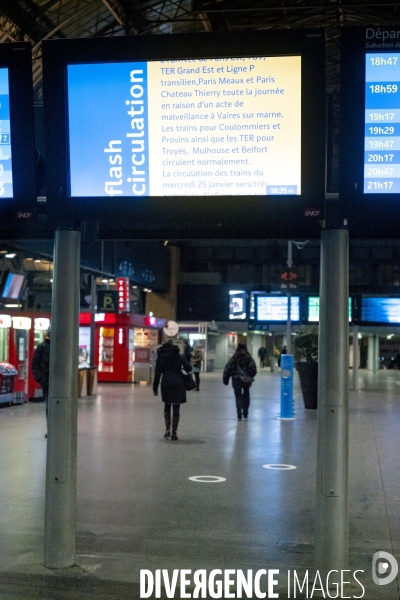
(175, 421)
(167, 418)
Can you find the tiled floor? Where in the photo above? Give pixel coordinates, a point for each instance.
(138, 509)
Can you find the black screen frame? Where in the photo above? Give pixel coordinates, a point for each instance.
(180, 216)
(18, 214)
(368, 215)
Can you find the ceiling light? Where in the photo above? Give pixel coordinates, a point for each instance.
(11, 255)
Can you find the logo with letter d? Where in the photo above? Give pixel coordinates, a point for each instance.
(380, 565)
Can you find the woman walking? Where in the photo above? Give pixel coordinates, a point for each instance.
(196, 363)
(169, 364)
(242, 368)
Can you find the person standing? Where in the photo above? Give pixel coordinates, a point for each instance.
(41, 369)
(283, 351)
(242, 369)
(197, 359)
(188, 351)
(262, 354)
(169, 365)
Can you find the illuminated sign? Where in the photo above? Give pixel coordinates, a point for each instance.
(202, 127)
(41, 324)
(313, 309)
(275, 308)
(240, 118)
(21, 322)
(369, 189)
(107, 301)
(380, 310)
(123, 294)
(382, 123)
(237, 305)
(5, 321)
(6, 175)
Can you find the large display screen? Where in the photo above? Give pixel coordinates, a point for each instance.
(313, 309)
(11, 286)
(6, 175)
(370, 130)
(382, 123)
(275, 308)
(207, 127)
(141, 128)
(17, 149)
(237, 305)
(380, 310)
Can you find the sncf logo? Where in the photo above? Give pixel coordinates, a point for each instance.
(312, 212)
(24, 215)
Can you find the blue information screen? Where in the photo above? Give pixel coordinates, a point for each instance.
(382, 124)
(6, 181)
(275, 308)
(380, 310)
(204, 127)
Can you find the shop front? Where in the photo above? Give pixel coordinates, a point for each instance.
(122, 341)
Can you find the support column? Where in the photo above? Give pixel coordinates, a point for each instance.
(93, 304)
(289, 308)
(331, 531)
(60, 501)
(375, 363)
(370, 358)
(356, 358)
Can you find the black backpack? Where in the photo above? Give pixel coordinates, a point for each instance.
(243, 376)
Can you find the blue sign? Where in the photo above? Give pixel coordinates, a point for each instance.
(287, 407)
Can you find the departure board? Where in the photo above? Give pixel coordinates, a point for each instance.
(313, 309)
(275, 308)
(380, 310)
(382, 123)
(6, 181)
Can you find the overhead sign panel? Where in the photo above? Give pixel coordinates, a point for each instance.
(143, 127)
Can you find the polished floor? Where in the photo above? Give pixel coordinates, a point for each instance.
(138, 507)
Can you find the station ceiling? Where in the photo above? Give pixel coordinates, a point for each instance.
(37, 20)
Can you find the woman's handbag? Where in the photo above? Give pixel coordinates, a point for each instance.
(188, 380)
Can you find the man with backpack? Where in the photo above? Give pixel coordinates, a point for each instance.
(242, 368)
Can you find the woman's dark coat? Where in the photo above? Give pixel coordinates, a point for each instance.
(169, 364)
(245, 362)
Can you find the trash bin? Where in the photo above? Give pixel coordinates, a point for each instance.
(91, 375)
(82, 383)
(7, 376)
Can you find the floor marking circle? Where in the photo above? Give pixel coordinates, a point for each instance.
(207, 479)
(279, 467)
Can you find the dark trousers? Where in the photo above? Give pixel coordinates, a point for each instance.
(175, 416)
(242, 396)
(197, 378)
(46, 401)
